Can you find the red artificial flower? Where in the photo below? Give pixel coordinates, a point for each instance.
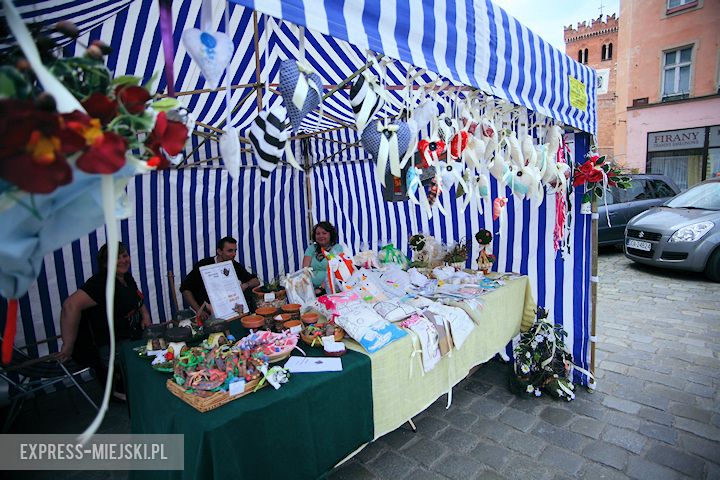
(100, 106)
(105, 151)
(31, 151)
(133, 98)
(167, 135)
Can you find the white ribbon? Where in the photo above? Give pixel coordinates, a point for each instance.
(388, 151)
(108, 199)
(415, 341)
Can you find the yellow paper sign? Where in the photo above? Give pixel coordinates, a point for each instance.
(578, 94)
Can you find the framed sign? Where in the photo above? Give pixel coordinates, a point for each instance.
(224, 290)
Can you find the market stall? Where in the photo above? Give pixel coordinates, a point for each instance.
(464, 52)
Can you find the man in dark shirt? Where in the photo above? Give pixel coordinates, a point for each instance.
(193, 289)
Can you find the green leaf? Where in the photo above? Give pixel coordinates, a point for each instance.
(586, 197)
(165, 104)
(126, 80)
(599, 192)
(147, 85)
(459, 192)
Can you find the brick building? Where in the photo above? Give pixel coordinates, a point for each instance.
(596, 45)
(668, 78)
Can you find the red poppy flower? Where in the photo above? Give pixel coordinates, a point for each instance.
(168, 135)
(31, 151)
(100, 106)
(133, 98)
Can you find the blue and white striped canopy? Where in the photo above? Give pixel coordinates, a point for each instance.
(179, 214)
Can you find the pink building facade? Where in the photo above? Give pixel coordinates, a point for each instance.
(668, 106)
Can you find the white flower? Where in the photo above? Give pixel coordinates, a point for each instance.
(537, 393)
(534, 344)
(527, 354)
(530, 389)
(524, 368)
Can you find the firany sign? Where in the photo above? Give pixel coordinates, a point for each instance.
(676, 139)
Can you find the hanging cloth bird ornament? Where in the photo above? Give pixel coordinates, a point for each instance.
(301, 90)
(366, 98)
(270, 137)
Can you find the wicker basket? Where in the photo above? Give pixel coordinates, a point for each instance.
(308, 339)
(204, 402)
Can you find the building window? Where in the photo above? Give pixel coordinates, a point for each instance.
(585, 56)
(603, 52)
(580, 56)
(676, 73)
(680, 5)
(609, 51)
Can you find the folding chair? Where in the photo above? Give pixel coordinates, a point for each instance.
(26, 376)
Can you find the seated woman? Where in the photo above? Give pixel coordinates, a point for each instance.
(325, 238)
(83, 321)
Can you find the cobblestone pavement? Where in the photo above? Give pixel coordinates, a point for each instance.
(655, 414)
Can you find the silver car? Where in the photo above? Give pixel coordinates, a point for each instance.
(684, 233)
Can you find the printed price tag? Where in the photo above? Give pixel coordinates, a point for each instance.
(269, 297)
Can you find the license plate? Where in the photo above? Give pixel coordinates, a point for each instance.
(637, 244)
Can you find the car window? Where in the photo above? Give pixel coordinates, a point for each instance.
(662, 189)
(704, 195)
(639, 190)
(612, 195)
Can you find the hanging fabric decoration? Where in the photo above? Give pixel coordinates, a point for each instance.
(269, 135)
(166, 34)
(387, 144)
(422, 116)
(474, 152)
(447, 127)
(431, 151)
(230, 140)
(340, 267)
(498, 204)
(301, 90)
(459, 143)
(366, 98)
(211, 50)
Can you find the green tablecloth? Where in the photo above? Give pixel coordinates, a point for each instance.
(299, 431)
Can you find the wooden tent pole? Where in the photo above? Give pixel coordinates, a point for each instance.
(258, 86)
(308, 190)
(593, 289)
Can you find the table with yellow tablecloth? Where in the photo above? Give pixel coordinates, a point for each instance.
(400, 390)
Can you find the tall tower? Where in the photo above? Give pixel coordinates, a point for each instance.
(595, 45)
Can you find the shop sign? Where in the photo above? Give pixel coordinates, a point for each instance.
(676, 139)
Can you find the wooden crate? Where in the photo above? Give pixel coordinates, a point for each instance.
(211, 400)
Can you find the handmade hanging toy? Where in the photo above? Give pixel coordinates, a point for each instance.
(388, 145)
(210, 50)
(366, 98)
(498, 204)
(459, 143)
(269, 135)
(301, 90)
(414, 185)
(430, 151)
(422, 116)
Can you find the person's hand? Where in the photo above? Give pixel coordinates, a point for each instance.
(65, 353)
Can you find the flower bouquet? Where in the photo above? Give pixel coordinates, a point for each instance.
(596, 174)
(542, 362)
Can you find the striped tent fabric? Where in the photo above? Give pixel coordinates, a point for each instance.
(344, 192)
(473, 42)
(178, 217)
(179, 214)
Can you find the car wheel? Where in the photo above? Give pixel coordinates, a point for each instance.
(712, 268)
